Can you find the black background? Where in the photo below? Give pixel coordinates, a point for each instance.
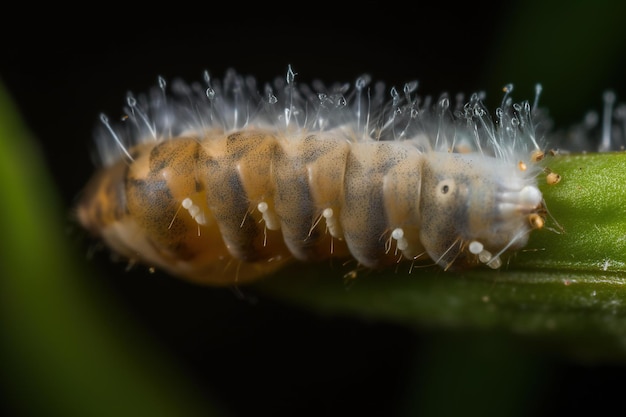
(270, 358)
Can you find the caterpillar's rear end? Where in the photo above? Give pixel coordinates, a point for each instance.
(222, 199)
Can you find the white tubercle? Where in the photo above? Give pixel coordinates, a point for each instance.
(476, 247)
(269, 216)
(334, 228)
(194, 211)
(398, 235)
(530, 196)
(494, 263)
(484, 256)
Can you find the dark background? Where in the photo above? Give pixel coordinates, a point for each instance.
(259, 356)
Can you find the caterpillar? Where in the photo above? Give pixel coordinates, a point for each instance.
(223, 181)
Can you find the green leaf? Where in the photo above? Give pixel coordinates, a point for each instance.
(589, 205)
(61, 343)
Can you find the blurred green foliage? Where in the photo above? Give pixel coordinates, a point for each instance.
(64, 351)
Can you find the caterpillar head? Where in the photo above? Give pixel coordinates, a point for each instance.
(474, 208)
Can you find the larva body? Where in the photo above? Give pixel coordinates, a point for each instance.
(220, 203)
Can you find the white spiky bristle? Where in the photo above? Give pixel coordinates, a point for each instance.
(361, 111)
(598, 131)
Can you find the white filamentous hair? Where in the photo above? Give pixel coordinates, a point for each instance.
(361, 111)
(598, 131)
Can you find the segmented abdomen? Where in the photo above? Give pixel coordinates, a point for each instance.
(190, 203)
